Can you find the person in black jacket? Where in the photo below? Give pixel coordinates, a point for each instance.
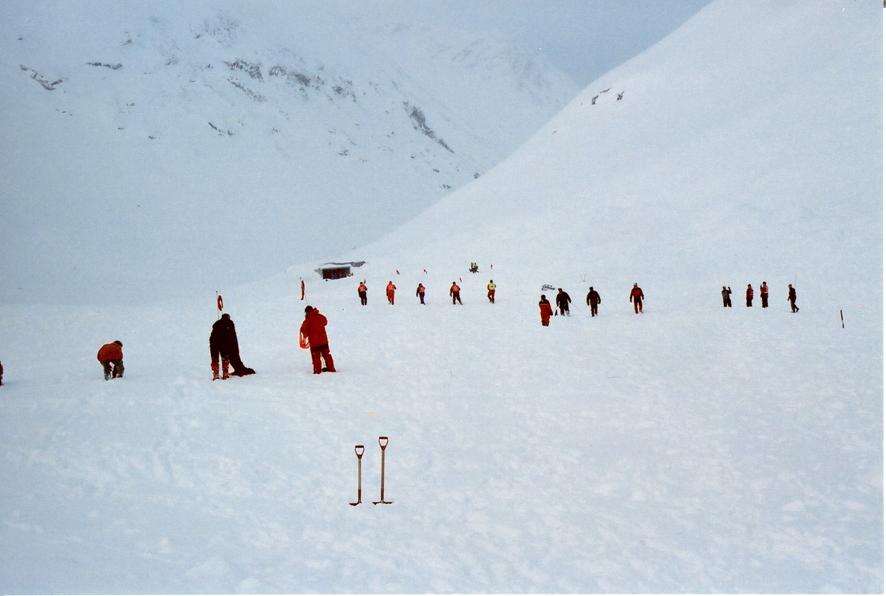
(563, 301)
(792, 298)
(593, 300)
(223, 343)
(727, 297)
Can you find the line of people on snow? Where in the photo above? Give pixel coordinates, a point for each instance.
(225, 349)
(726, 293)
(391, 292)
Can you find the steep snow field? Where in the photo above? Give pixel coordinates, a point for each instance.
(689, 449)
(742, 147)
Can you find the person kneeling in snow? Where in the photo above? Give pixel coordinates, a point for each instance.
(223, 342)
(314, 330)
(111, 358)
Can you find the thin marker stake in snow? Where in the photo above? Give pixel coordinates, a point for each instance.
(358, 449)
(842, 324)
(383, 443)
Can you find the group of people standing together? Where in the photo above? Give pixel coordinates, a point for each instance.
(726, 293)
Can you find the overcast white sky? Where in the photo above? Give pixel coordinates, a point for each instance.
(585, 38)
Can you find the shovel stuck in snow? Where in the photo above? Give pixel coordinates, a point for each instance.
(358, 449)
(383, 443)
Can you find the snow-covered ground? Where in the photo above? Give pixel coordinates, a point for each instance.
(692, 448)
(689, 449)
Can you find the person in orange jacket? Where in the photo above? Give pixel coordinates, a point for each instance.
(455, 292)
(749, 296)
(314, 329)
(420, 292)
(111, 358)
(546, 310)
(389, 291)
(636, 296)
(361, 292)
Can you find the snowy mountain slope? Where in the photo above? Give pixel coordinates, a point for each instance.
(735, 154)
(690, 449)
(253, 136)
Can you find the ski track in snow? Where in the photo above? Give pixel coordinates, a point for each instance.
(682, 450)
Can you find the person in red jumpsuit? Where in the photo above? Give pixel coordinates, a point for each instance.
(314, 329)
(546, 310)
(637, 297)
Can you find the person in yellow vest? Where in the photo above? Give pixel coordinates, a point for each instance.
(455, 292)
(490, 291)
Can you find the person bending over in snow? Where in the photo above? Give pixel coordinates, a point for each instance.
(545, 310)
(223, 343)
(111, 358)
(593, 300)
(314, 329)
(636, 296)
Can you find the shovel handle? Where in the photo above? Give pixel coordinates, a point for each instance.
(358, 449)
(383, 442)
